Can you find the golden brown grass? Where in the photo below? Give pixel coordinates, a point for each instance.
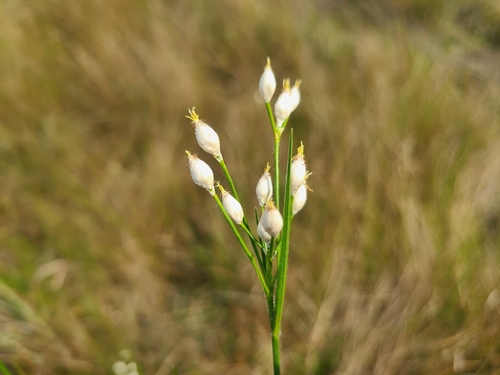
(106, 244)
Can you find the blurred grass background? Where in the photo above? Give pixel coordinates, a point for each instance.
(106, 244)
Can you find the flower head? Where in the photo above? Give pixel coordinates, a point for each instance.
(232, 206)
(271, 220)
(201, 173)
(264, 189)
(267, 84)
(206, 136)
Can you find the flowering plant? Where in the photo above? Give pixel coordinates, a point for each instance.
(270, 247)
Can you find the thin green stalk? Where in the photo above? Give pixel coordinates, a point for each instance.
(271, 116)
(282, 260)
(229, 179)
(276, 179)
(250, 256)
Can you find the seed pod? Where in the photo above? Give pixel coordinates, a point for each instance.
(300, 199)
(266, 237)
(271, 220)
(201, 173)
(232, 206)
(267, 84)
(264, 189)
(206, 136)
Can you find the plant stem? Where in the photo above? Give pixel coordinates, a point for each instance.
(282, 261)
(276, 179)
(229, 179)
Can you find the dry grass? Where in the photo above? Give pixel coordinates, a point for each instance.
(106, 244)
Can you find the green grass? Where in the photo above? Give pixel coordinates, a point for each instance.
(105, 243)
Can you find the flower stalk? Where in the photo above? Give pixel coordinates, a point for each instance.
(271, 243)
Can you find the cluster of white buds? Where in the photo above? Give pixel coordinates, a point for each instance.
(201, 173)
(299, 175)
(271, 223)
(287, 102)
(206, 136)
(264, 189)
(232, 206)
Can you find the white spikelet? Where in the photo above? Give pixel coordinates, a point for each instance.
(206, 136)
(298, 172)
(232, 206)
(295, 95)
(201, 173)
(267, 84)
(283, 105)
(271, 220)
(264, 189)
(300, 199)
(266, 237)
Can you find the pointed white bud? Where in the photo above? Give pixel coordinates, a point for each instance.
(271, 220)
(299, 199)
(232, 206)
(267, 84)
(201, 173)
(266, 237)
(264, 189)
(295, 95)
(283, 105)
(298, 172)
(206, 136)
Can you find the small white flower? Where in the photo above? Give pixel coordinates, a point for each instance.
(295, 95)
(283, 105)
(232, 206)
(266, 237)
(264, 189)
(271, 220)
(267, 84)
(201, 173)
(298, 172)
(300, 199)
(206, 136)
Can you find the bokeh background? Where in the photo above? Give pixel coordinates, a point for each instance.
(106, 244)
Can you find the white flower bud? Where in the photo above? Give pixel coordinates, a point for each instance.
(264, 189)
(266, 237)
(300, 199)
(232, 206)
(295, 95)
(201, 173)
(267, 84)
(206, 136)
(298, 172)
(283, 105)
(271, 220)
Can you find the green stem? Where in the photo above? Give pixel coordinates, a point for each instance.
(271, 117)
(283, 259)
(276, 179)
(243, 245)
(229, 179)
(276, 352)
